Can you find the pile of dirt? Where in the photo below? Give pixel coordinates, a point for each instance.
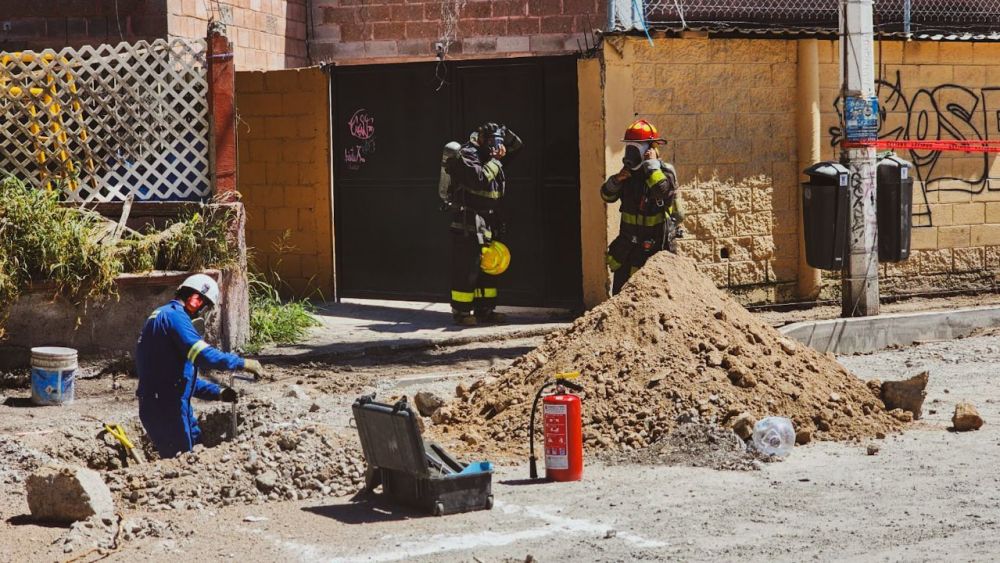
(272, 458)
(695, 445)
(670, 348)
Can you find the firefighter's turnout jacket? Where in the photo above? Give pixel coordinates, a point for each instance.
(476, 190)
(168, 356)
(647, 205)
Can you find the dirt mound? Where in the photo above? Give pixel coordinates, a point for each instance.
(695, 445)
(670, 348)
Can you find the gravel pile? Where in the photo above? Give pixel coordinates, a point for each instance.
(273, 458)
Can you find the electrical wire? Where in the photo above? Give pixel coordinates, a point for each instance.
(118, 22)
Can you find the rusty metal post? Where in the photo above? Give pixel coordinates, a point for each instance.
(222, 113)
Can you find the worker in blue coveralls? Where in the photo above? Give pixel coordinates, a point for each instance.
(168, 356)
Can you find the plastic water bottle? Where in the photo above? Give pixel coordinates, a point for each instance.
(774, 435)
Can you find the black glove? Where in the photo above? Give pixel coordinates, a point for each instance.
(229, 395)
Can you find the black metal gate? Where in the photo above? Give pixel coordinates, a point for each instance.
(390, 125)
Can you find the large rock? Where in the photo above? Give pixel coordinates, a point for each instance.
(907, 395)
(68, 494)
(427, 403)
(966, 417)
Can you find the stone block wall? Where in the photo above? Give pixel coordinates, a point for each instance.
(284, 176)
(727, 108)
(351, 30)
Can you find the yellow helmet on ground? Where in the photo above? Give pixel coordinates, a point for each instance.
(495, 258)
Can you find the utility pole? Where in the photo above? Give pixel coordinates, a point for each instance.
(860, 296)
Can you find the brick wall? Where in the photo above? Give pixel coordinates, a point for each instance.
(938, 90)
(266, 34)
(284, 174)
(72, 23)
(350, 30)
(727, 107)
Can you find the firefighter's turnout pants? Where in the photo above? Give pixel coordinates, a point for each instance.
(472, 290)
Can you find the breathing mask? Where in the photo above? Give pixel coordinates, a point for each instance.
(634, 152)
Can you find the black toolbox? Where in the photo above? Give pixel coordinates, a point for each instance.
(412, 473)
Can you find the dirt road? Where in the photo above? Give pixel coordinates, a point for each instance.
(928, 494)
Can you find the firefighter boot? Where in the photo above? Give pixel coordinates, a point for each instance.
(464, 319)
(491, 317)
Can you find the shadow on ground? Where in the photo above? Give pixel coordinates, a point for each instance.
(365, 511)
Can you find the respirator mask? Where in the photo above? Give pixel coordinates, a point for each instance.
(634, 152)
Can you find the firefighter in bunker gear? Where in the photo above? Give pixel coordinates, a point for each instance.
(647, 189)
(168, 355)
(475, 184)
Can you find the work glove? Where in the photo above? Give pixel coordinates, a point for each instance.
(254, 367)
(229, 395)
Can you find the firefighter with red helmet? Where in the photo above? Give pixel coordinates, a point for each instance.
(647, 189)
(472, 186)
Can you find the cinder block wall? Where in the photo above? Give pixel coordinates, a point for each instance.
(728, 107)
(391, 29)
(284, 175)
(935, 91)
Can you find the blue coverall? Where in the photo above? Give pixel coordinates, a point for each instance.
(168, 356)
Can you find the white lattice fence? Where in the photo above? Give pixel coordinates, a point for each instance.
(101, 123)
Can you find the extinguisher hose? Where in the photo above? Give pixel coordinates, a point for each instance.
(532, 460)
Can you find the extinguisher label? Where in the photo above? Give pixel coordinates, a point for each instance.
(556, 442)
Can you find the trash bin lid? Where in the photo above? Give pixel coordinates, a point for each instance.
(894, 161)
(826, 169)
(389, 436)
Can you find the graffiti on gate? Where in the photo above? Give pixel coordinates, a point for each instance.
(943, 112)
(361, 126)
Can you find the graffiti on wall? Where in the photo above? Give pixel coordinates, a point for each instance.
(361, 126)
(943, 112)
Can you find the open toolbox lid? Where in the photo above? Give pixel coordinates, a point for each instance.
(389, 436)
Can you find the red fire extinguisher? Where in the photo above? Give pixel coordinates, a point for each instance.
(563, 429)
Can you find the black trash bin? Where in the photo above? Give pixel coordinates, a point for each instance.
(895, 208)
(412, 473)
(825, 209)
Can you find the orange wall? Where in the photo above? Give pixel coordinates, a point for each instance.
(284, 175)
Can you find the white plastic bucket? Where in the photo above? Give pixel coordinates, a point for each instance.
(53, 371)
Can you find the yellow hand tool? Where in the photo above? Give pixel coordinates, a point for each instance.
(118, 432)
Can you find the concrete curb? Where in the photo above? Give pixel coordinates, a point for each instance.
(375, 348)
(865, 335)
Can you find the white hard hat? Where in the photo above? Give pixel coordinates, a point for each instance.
(204, 285)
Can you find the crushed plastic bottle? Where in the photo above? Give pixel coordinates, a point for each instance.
(774, 435)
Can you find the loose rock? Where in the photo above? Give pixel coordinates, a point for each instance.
(907, 395)
(297, 392)
(743, 425)
(68, 494)
(427, 403)
(966, 417)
